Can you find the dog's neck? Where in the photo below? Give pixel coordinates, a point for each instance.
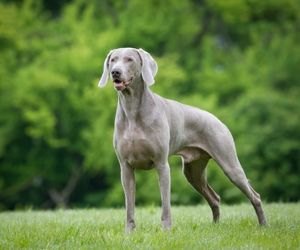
(134, 99)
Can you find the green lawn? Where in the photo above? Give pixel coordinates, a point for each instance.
(192, 229)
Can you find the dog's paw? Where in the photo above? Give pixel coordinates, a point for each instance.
(130, 227)
(166, 225)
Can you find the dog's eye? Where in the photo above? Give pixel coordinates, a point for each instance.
(128, 59)
(113, 59)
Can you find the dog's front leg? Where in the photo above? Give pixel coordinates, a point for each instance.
(128, 183)
(165, 192)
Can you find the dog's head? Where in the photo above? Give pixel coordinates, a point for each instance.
(126, 65)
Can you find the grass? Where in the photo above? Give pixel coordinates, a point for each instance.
(192, 229)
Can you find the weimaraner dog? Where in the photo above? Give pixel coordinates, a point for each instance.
(149, 128)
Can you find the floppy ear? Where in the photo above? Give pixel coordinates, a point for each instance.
(149, 67)
(105, 74)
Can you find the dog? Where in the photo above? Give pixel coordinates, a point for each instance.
(149, 128)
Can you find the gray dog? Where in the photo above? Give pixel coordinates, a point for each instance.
(149, 128)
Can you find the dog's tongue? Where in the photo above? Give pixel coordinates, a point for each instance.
(119, 85)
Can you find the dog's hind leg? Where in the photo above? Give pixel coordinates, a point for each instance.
(222, 150)
(196, 175)
(236, 174)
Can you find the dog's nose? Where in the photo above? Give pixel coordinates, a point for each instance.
(116, 73)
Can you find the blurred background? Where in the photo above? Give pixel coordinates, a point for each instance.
(239, 59)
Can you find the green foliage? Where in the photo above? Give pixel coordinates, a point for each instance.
(192, 229)
(236, 59)
(272, 137)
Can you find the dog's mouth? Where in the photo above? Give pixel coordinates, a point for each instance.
(120, 85)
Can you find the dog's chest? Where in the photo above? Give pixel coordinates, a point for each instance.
(135, 147)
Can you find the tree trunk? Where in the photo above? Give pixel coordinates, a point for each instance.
(61, 198)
